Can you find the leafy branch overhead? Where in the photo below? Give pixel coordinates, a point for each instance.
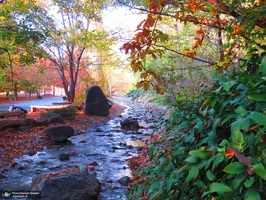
(238, 25)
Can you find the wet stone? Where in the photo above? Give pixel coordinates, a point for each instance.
(64, 157)
(124, 180)
(43, 162)
(98, 130)
(31, 152)
(94, 163)
(21, 167)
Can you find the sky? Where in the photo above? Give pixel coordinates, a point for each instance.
(122, 22)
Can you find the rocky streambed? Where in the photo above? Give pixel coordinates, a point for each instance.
(100, 154)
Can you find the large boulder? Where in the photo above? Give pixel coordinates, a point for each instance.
(68, 185)
(52, 118)
(59, 133)
(96, 102)
(130, 124)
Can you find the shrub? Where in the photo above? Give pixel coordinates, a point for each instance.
(66, 112)
(212, 149)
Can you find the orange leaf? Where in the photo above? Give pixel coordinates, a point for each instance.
(262, 140)
(229, 152)
(253, 127)
(211, 152)
(249, 171)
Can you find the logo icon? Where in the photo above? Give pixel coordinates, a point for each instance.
(6, 194)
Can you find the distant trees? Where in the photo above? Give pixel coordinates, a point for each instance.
(30, 30)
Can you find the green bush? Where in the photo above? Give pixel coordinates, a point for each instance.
(212, 149)
(66, 112)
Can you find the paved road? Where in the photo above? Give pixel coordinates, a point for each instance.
(26, 105)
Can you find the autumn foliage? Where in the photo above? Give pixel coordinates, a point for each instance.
(233, 22)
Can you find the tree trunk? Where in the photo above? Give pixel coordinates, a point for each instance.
(220, 41)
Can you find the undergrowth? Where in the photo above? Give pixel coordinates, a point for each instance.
(213, 147)
(68, 113)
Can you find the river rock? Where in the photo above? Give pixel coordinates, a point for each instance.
(130, 124)
(52, 118)
(69, 185)
(96, 102)
(64, 157)
(124, 180)
(59, 133)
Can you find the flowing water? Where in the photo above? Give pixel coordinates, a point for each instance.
(108, 146)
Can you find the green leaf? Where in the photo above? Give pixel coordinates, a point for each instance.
(169, 184)
(236, 133)
(221, 79)
(226, 86)
(192, 159)
(229, 117)
(260, 170)
(237, 181)
(193, 173)
(258, 117)
(218, 158)
(201, 184)
(210, 175)
(257, 86)
(244, 124)
(219, 188)
(240, 110)
(258, 97)
(263, 68)
(153, 187)
(252, 195)
(249, 182)
(200, 154)
(183, 125)
(164, 159)
(246, 79)
(184, 168)
(224, 143)
(235, 168)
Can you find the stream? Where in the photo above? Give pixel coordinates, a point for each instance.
(107, 147)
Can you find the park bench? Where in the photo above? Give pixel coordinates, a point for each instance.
(51, 107)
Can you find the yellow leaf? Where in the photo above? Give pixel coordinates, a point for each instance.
(146, 86)
(177, 16)
(143, 75)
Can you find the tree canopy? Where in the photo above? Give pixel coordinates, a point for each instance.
(237, 26)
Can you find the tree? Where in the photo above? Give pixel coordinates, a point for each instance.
(239, 25)
(73, 36)
(18, 35)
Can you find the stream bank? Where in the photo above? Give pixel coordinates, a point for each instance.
(105, 149)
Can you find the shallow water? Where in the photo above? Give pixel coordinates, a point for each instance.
(110, 147)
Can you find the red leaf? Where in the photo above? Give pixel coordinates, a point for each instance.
(241, 157)
(229, 152)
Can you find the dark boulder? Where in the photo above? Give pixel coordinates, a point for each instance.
(52, 118)
(69, 185)
(96, 102)
(59, 133)
(124, 180)
(130, 124)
